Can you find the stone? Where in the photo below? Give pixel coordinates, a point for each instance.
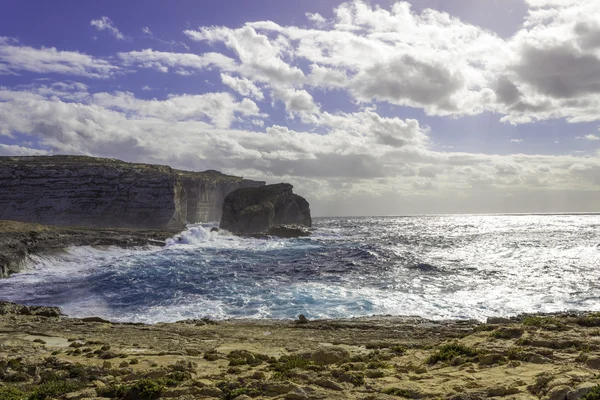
(297, 394)
(328, 384)
(593, 362)
(182, 391)
(100, 192)
(210, 391)
(95, 319)
(107, 365)
(501, 391)
(581, 390)
(46, 311)
(82, 394)
(124, 364)
(490, 359)
(330, 355)
(25, 311)
(558, 393)
(257, 210)
(288, 231)
(302, 319)
(279, 388)
(499, 321)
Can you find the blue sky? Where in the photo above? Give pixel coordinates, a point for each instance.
(381, 107)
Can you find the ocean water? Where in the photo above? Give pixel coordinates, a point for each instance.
(436, 267)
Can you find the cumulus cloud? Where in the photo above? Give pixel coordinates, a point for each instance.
(177, 62)
(106, 24)
(243, 86)
(15, 57)
(367, 153)
(378, 60)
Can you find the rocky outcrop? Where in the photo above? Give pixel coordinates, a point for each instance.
(99, 192)
(258, 210)
(18, 240)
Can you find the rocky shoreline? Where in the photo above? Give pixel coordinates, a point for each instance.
(45, 355)
(18, 240)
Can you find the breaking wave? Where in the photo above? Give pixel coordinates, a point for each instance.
(435, 267)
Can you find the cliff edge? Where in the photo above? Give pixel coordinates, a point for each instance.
(101, 192)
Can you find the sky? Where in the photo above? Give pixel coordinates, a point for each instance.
(367, 107)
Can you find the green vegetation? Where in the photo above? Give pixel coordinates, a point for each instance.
(54, 388)
(211, 355)
(398, 392)
(146, 389)
(11, 393)
(540, 387)
(231, 390)
(593, 394)
(549, 323)
(589, 321)
(449, 352)
(507, 333)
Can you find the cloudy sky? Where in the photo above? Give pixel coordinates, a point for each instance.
(367, 107)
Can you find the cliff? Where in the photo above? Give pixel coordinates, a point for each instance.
(261, 209)
(99, 192)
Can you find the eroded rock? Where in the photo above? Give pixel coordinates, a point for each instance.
(258, 210)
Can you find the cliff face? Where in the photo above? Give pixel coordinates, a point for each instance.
(97, 192)
(258, 210)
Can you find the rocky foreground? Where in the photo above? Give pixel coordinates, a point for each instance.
(18, 240)
(44, 355)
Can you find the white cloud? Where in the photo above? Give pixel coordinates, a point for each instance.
(369, 155)
(15, 150)
(177, 62)
(15, 58)
(316, 19)
(243, 86)
(296, 101)
(590, 137)
(147, 31)
(516, 141)
(261, 58)
(106, 24)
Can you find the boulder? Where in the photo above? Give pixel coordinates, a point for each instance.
(259, 210)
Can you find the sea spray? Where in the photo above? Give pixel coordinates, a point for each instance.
(435, 267)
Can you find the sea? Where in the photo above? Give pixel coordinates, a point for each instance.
(435, 267)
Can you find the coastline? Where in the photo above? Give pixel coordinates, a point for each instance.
(18, 240)
(550, 357)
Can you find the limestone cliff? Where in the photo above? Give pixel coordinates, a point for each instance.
(259, 210)
(99, 192)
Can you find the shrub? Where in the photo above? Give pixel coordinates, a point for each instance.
(53, 389)
(593, 394)
(398, 392)
(549, 323)
(507, 333)
(449, 352)
(11, 393)
(147, 389)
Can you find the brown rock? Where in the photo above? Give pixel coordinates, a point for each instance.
(330, 355)
(593, 363)
(328, 384)
(559, 393)
(210, 391)
(499, 321)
